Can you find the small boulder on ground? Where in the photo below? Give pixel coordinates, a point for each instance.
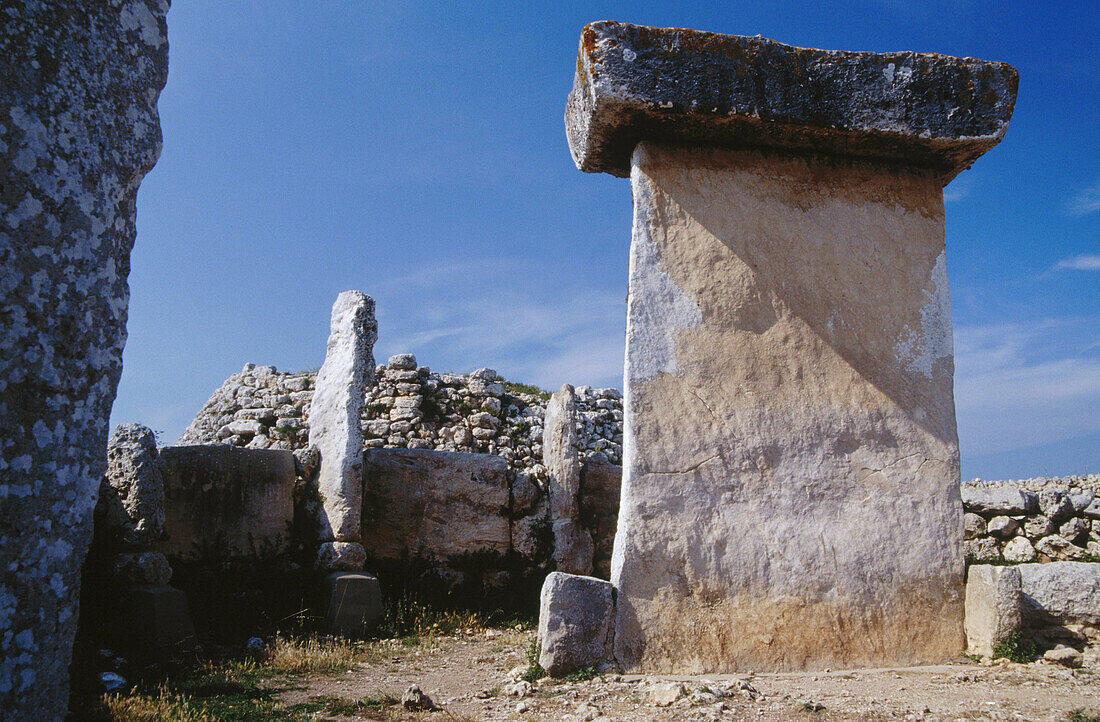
(575, 623)
(415, 700)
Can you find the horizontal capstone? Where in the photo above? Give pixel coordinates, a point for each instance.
(636, 83)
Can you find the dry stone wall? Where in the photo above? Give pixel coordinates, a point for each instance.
(410, 407)
(1033, 520)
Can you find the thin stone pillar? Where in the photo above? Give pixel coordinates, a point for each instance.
(335, 428)
(573, 547)
(790, 493)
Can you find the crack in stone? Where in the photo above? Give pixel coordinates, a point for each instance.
(872, 472)
(689, 469)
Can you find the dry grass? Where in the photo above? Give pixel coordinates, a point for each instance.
(164, 706)
(312, 656)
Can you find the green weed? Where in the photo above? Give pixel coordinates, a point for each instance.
(1015, 649)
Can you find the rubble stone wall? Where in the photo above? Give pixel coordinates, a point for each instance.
(1038, 519)
(1033, 520)
(411, 407)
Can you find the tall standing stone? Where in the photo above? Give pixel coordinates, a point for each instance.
(790, 492)
(334, 426)
(78, 131)
(573, 546)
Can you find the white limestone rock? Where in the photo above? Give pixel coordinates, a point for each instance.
(576, 616)
(335, 414)
(1019, 549)
(1062, 592)
(994, 606)
(974, 525)
(341, 556)
(997, 500)
(768, 403)
(132, 492)
(1002, 527)
(573, 548)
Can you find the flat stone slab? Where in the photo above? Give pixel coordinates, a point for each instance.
(999, 500)
(636, 83)
(994, 606)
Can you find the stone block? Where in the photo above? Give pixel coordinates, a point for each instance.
(353, 604)
(434, 503)
(1061, 592)
(132, 492)
(994, 606)
(224, 502)
(637, 83)
(155, 622)
(998, 500)
(775, 383)
(576, 620)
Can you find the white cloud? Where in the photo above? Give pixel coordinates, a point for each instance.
(1079, 263)
(1010, 396)
(959, 188)
(1085, 202)
(529, 326)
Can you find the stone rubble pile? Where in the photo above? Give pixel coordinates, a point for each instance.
(259, 408)
(1013, 524)
(1090, 482)
(409, 407)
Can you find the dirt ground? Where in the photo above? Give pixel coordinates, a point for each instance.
(473, 677)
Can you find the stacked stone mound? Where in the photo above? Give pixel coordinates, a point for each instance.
(410, 407)
(259, 408)
(1041, 520)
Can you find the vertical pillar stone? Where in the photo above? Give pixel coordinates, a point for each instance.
(994, 606)
(334, 427)
(78, 131)
(573, 546)
(790, 492)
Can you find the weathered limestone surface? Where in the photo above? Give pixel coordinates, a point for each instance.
(335, 410)
(637, 83)
(576, 622)
(78, 131)
(1062, 592)
(601, 484)
(223, 502)
(994, 606)
(434, 503)
(789, 347)
(561, 454)
(132, 491)
(784, 404)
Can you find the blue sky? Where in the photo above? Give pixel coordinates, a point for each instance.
(416, 151)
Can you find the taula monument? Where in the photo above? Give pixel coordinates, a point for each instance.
(790, 495)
